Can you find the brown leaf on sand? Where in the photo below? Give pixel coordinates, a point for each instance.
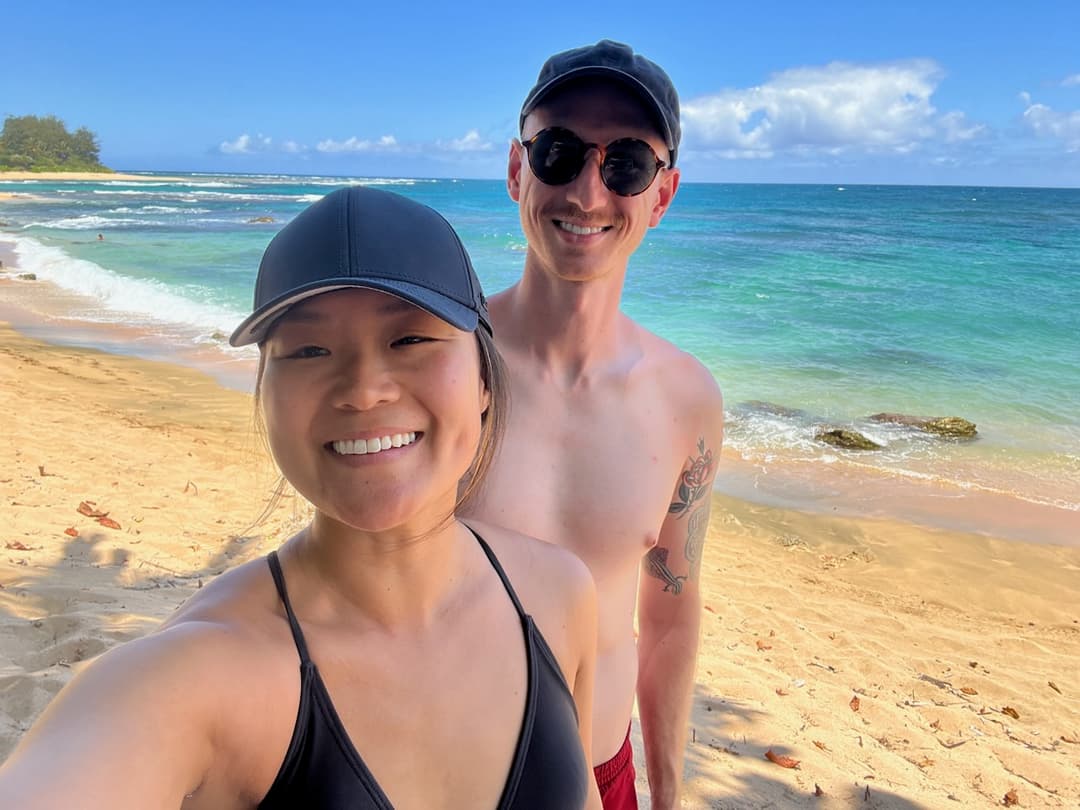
(17, 545)
(71, 531)
(854, 704)
(1053, 686)
(821, 745)
(761, 645)
(108, 522)
(967, 690)
(1010, 799)
(1009, 710)
(89, 508)
(781, 760)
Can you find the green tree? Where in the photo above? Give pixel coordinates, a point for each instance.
(43, 143)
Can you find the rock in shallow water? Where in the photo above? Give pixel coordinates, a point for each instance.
(847, 439)
(952, 427)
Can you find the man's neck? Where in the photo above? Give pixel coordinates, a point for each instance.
(572, 328)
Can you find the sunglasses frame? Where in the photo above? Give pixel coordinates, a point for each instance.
(586, 148)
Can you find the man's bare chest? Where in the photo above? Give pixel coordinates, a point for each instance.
(597, 480)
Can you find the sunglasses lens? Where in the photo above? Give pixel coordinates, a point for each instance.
(629, 166)
(556, 156)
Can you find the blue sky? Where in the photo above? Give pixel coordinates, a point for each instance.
(978, 93)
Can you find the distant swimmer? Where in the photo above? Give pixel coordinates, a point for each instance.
(100, 238)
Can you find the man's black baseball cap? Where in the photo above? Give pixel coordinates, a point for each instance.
(618, 62)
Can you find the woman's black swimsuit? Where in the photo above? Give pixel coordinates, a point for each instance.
(323, 771)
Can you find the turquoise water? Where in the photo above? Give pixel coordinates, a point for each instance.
(832, 302)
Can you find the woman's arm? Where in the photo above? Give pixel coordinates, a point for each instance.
(585, 677)
(131, 730)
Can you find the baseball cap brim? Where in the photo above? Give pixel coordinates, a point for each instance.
(256, 326)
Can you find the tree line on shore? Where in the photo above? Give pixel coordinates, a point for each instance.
(43, 143)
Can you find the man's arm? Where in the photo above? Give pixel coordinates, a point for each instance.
(669, 613)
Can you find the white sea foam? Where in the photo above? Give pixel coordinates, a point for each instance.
(89, 222)
(113, 298)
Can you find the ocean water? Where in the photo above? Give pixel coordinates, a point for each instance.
(814, 306)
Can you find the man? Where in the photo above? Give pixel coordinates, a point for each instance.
(614, 433)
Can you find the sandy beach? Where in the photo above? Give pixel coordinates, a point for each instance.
(900, 666)
(80, 177)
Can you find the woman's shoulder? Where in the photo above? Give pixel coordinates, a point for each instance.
(540, 572)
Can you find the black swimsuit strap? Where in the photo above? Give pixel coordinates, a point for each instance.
(294, 625)
(499, 570)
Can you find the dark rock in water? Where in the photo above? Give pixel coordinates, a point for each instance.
(260, 219)
(27, 276)
(761, 406)
(847, 439)
(952, 427)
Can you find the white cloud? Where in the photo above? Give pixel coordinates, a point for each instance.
(1045, 122)
(293, 148)
(955, 129)
(1071, 81)
(470, 142)
(830, 109)
(245, 145)
(387, 143)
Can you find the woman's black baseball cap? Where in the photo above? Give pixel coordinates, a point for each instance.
(370, 238)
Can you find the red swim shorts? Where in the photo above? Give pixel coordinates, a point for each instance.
(615, 779)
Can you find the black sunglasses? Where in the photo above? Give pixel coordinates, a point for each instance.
(627, 166)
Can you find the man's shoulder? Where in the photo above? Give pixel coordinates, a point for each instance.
(680, 372)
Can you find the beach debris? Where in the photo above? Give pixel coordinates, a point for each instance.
(782, 692)
(257, 220)
(949, 427)
(1011, 798)
(781, 760)
(761, 645)
(1053, 686)
(108, 522)
(973, 664)
(27, 276)
(817, 790)
(1009, 710)
(846, 439)
(854, 704)
(1073, 740)
(71, 531)
(17, 545)
(968, 690)
(89, 508)
(42, 473)
(822, 746)
(192, 486)
(924, 763)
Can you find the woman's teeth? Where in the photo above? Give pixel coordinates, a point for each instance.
(360, 447)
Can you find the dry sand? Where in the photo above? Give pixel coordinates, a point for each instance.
(83, 177)
(886, 658)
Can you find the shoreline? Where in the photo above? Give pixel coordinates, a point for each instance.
(83, 177)
(41, 310)
(934, 631)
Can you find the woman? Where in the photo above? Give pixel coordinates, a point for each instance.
(380, 658)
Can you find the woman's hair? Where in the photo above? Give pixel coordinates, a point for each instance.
(492, 425)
